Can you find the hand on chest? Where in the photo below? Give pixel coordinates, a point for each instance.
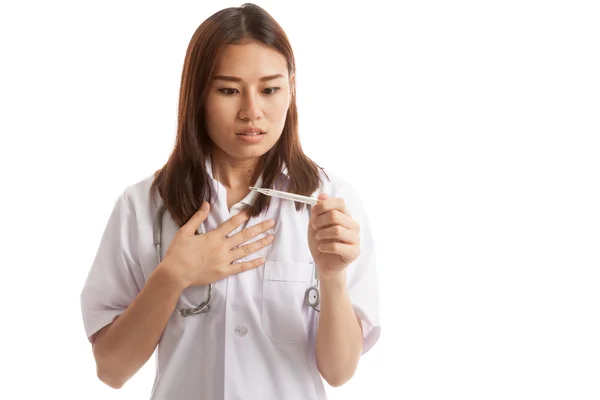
(290, 230)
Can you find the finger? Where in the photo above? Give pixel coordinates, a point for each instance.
(243, 251)
(337, 233)
(233, 223)
(328, 204)
(348, 252)
(246, 266)
(334, 217)
(197, 219)
(251, 232)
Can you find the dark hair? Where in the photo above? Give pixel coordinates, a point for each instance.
(183, 182)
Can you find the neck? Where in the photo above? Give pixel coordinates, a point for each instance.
(234, 173)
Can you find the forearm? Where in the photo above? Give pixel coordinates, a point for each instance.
(339, 334)
(127, 344)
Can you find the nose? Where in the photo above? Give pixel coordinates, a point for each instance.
(250, 107)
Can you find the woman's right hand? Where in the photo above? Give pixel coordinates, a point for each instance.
(197, 260)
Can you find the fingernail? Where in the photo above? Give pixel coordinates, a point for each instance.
(204, 205)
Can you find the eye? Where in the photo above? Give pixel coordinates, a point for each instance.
(271, 90)
(228, 91)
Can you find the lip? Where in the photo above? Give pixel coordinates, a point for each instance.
(250, 130)
(251, 139)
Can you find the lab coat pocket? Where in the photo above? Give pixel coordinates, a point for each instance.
(285, 315)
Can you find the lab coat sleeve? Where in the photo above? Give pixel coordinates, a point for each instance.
(115, 277)
(361, 275)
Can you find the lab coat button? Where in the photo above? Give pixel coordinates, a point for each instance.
(241, 330)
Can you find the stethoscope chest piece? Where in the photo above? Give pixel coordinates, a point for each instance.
(312, 296)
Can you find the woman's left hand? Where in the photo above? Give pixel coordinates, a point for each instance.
(333, 236)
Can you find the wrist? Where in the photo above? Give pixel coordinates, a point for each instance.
(166, 274)
(333, 280)
(333, 290)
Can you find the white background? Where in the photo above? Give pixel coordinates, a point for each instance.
(470, 128)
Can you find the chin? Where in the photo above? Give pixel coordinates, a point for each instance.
(250, 151)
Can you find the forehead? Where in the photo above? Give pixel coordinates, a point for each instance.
(250, 61)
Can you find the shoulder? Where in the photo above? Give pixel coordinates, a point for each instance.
(135, 199)
(336, 185)
(138, 192)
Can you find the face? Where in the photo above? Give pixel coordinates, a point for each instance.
(247, 101)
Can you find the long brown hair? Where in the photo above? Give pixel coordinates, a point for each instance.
(183, 182)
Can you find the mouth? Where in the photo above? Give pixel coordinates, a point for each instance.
(251, 132)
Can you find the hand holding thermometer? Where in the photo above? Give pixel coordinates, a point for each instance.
(286, 195)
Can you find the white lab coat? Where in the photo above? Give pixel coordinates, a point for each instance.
(258, 340)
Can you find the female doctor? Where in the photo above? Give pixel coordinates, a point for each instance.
(225, 299)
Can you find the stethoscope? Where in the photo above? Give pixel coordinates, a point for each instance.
(312, 297)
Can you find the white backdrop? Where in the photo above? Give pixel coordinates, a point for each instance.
(470, 128)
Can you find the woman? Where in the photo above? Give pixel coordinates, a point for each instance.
(254, 257)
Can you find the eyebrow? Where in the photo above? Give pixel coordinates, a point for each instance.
(236, 79)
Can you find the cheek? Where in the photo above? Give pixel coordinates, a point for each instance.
(277, 111)
(218, 116)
